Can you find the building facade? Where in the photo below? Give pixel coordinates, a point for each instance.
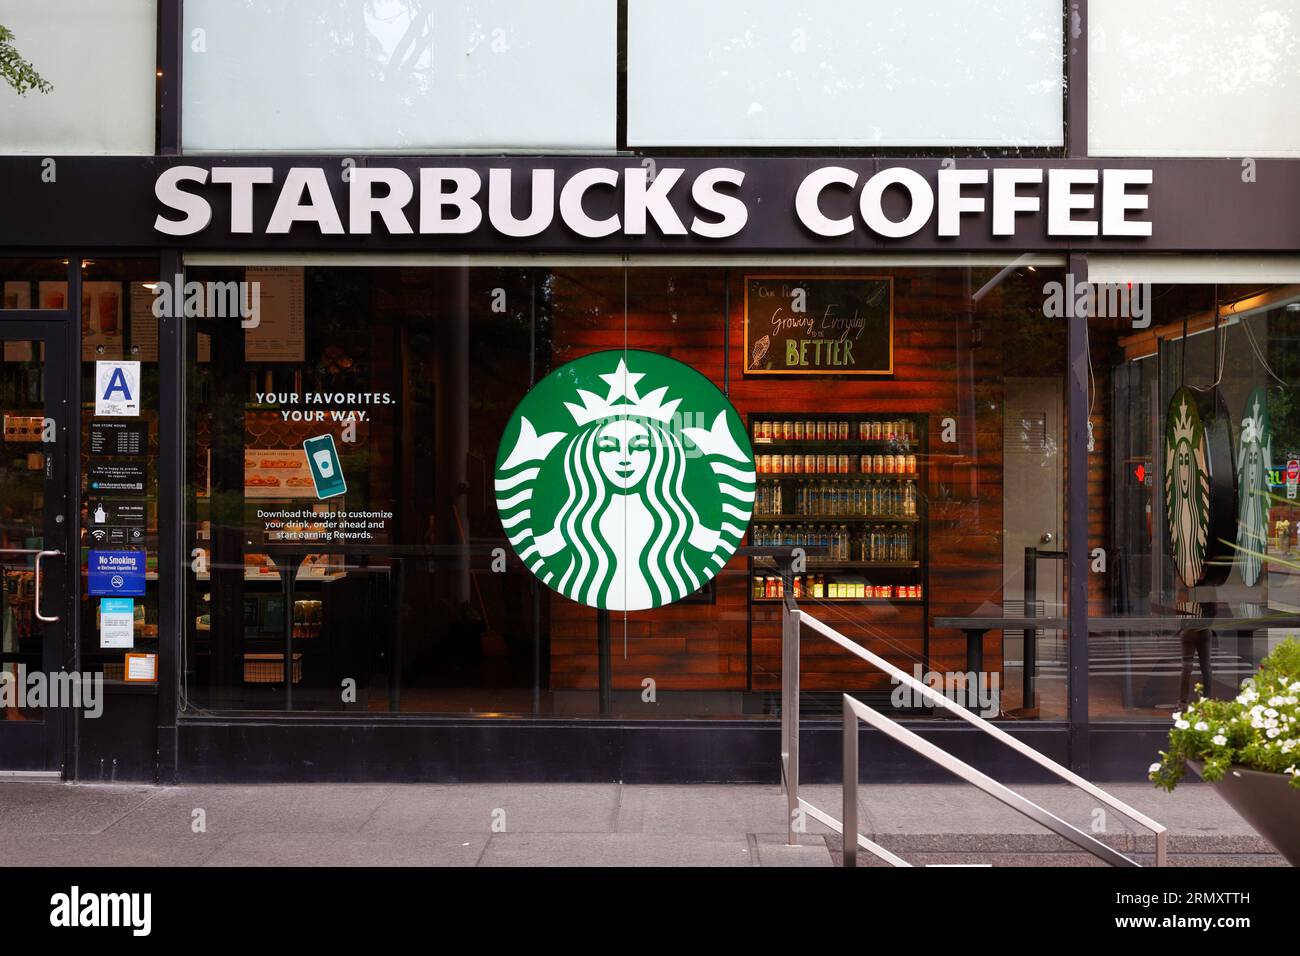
(1000, 321)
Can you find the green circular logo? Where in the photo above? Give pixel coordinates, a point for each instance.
(1254, 462)
(625, 480)
(1187, 486)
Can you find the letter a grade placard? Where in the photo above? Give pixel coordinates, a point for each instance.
(117, 389)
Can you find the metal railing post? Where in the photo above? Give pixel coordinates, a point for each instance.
(790, 713)
(850, 792)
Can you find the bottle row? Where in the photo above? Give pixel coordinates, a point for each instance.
(891, 543)
(837, 499)
(810, 464)
(816, 586)
(800, 429)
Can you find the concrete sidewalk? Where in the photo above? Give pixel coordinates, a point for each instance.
(582, 824)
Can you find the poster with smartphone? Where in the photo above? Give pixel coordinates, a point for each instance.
(102, 334)
(326, 469)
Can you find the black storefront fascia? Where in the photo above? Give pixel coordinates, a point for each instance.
(106, 206)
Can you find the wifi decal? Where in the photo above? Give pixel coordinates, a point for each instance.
(625, 480)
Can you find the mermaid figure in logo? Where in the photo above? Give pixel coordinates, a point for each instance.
(626, 518)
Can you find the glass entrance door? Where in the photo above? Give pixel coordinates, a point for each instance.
(36, 403)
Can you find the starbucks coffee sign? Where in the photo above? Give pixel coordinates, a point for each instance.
(625, 480)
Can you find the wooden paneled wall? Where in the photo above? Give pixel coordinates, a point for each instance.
(948, 364)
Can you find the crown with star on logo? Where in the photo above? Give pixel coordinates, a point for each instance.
(1184, 425)
(623, 400)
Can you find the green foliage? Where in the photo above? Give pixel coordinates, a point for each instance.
(1258, 729)
(16, 71)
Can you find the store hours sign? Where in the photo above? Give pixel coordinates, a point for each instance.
(625, 480)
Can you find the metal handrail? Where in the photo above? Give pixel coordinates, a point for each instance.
(792, 621)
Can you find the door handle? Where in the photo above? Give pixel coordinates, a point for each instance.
(36, 597)
(1047, 537)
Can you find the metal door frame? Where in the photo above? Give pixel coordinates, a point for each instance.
(59, 579)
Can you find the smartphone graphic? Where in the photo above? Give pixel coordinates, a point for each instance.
(326, 471)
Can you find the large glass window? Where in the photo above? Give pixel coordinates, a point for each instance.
(394, 75)
(100, 60)
(1192, 78)
(1194, 507)
(843, 73)
(351, 539)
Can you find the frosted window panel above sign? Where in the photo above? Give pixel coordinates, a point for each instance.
(380, 75)
(1194, 78)
(844, 73)
(101, 60)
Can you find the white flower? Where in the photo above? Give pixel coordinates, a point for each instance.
(1219, 740)
(1272, 732)
(1177, 715)
(1202, 725)
(1181, 724)
(1153, 768)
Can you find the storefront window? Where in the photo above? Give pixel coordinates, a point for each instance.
(350, 554)
(448, 74)
(1194, 422)
(759, 73)
(119, 461)
(1192, 78)
(100, 61)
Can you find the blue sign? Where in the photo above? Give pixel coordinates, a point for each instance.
(117, 573)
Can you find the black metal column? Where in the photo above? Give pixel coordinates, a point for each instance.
(1077, 527)
(173, 566)
(604, 668)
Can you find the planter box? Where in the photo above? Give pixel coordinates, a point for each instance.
(1266, 801)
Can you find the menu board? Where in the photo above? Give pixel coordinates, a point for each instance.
(277, 473)
(280, 332)
(819, 325)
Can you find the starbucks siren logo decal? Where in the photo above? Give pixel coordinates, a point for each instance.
(1254, 462)
(625, 480)
(1187, 486)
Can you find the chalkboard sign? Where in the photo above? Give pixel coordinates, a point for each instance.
(819, 325)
